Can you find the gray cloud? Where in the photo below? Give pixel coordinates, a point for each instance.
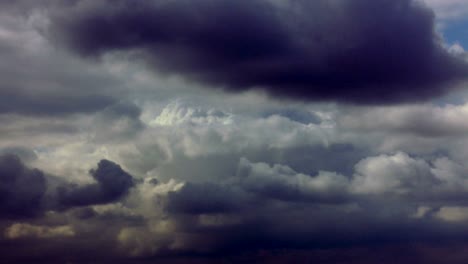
(26, 193)
(422, 120)
(117, 122)
(21, 189)
(37, 79)
(111, 184)
(23, 153)
(239, 178)
(206, 198)
(354, 51)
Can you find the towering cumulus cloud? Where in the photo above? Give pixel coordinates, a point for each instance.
(359, 51)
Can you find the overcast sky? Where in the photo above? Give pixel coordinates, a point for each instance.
(327, 131)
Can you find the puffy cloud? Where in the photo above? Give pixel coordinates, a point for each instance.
(457, 49)
(176, 113)
(23, 153)
(354, 51)
(111, 184)
(395, 173)
(199, 173)
(281, 182)
(276, 205)
(435, 181)
(299, 115)
(26, 193)
(206, 198)
(21, 189)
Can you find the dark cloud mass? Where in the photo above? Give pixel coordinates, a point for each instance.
(331, 174)
(21, 189)
(362, 51)
(111, 184)
(205, 198)
(24, 191)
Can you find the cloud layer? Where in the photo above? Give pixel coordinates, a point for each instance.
(115, 147)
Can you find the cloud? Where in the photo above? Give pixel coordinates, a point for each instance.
(298, 115)
(350, 51)
(178, 113)
(425, 120)
(453, 213)
(21, 189)
(289, 210)
(449, 9)
(111, 184)
(206, 198)
(21, 230)
(117, 122)
(228, 178)
(206, 183)
(251, 206)
(23, 153)
(281, 182)
(28, 193)
(39, 80)
(392, 173)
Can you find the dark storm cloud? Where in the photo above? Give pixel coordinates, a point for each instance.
(254, 186)
(21, 188)
(293, 226)
(390, 199)
(205, 199)
(25, 192)
(362, 51)
(111, 184)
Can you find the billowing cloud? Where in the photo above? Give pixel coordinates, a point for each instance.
(281, 182)
(111, 184)
(353, 51)
(21, 189)
(187, 174)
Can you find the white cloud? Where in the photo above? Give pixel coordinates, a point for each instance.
(457, 49)
(398, 173)
(449, 9)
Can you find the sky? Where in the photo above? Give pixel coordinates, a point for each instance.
(220, 131)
